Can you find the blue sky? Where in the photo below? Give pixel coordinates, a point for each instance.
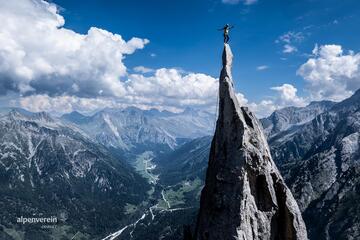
(183, 34)
(271, 41)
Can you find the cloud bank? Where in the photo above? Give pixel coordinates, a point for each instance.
(47, 64)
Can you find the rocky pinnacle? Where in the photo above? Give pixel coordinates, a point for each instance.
(244, 197)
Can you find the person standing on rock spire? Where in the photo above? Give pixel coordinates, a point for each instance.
(244, 195)
(226, 30)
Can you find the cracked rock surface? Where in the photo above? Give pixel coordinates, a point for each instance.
(244, 196)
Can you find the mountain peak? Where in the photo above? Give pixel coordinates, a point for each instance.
(352, 103)
(244, 196)
(189, 110)
(157, 113)
(357, 92)
(18, 114)
(75, 113)
(323, 104)
(14, 113)
(133, 108)
(42, 116)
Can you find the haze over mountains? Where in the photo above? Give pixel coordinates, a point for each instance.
(133, 129)
(316, 149)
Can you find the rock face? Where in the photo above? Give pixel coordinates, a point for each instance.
(244, 196)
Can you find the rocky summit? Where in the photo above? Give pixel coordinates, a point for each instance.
(244, 196)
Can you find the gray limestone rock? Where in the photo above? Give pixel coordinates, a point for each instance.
(244, 196)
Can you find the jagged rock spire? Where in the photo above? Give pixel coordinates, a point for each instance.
(244, 196)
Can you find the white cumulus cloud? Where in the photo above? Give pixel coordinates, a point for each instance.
(142, 69)
(289, 48)
(330, 73)
(171, 86)
(263, 108)
(165, 89)
(39, 55)
(289, 39)
(286, 96)
(53, 67)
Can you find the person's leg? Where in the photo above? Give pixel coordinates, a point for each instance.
(226, 38)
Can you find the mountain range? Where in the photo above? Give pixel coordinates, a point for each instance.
(291, 117)
(317, 150)
(94, 168)
(72, 165)
(135, 130)
(320, 160)
(51, 169)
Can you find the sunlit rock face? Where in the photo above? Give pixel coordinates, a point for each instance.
(244, 196)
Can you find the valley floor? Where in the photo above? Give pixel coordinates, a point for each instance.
(161, 199)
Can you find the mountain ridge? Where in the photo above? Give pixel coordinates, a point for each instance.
(48, 168)
(135, 130)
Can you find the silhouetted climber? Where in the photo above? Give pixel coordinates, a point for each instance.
(226, 30)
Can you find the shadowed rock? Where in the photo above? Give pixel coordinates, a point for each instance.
(244, 196)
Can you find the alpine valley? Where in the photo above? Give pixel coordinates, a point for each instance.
(138, 174)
